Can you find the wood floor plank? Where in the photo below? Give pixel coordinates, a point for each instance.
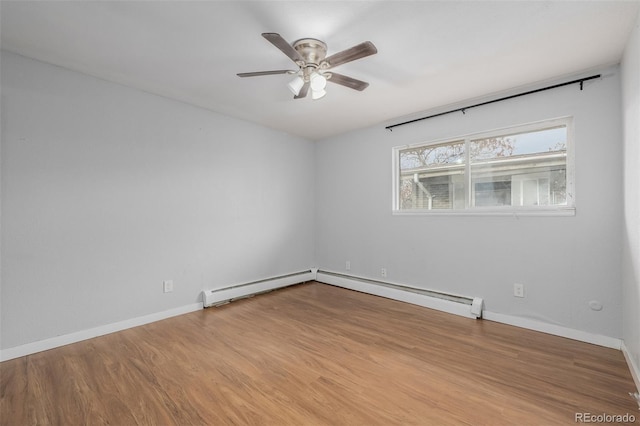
(315, 354)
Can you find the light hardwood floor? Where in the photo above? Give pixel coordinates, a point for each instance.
(314, 354)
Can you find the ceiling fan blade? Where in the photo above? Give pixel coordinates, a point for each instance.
(258, 73)
(349, 82)
(282, 44)
(356, 52)
(303, 91)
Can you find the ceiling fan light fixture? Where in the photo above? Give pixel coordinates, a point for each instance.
(318, 82)
(295, 85)
(317, 94)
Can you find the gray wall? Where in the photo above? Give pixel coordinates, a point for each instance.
(631, 239)
(564, 262)
(107, 191)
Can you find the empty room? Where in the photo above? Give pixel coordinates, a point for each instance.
(320, 212)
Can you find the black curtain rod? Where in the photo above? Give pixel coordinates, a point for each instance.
(463, 110)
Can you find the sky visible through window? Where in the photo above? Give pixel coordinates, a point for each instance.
(541, 141)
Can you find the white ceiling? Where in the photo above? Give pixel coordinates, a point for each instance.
(430, 53)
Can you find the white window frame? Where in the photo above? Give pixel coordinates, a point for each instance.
(564, 210)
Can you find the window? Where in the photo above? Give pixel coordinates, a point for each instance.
(526, 168)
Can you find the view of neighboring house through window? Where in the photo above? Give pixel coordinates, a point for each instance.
(523, 167)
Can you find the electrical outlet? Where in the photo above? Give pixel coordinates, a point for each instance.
(383, 272)
(167, 286)
(518, 290)
(347, 265)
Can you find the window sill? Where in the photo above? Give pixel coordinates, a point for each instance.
(561, 211)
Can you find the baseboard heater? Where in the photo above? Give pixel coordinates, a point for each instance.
(470, 307)
(220, 296)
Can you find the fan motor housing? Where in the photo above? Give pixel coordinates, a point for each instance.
(312, 50)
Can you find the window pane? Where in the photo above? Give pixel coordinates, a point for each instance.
(524, 169)
(525, 166)
(432, 177)
(493, 193)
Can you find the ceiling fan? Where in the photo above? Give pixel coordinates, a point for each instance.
(310, 55)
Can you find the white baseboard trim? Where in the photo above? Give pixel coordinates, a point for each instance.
(556, 330)
(66, 339)
(635, 369)
(361, 284)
